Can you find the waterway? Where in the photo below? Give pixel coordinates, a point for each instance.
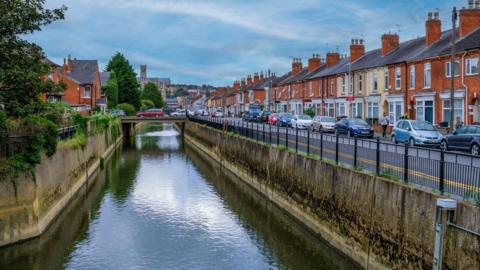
(158, 204)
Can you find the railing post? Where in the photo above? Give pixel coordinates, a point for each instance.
(442, 172)
(256, 125)
(308, 141)
(270, 133)
(336, 148)
(263, 133)
(321, 145)
(278, 135)
(355, 154)
(377, 166)
(286, 137)
(296, 140)
(405, 165)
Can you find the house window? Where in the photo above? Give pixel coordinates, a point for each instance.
(356, 110)
(325, 85)
(472, 66)
(360, 83)
(350, 84)
(373, 110)
(458, 109)
(375, 82)
(87, 92)
(311, 88)
(385, 77)
(330, 109)
(427, 79)
(448, 69)
(398, 78)
(341, 109)
(395, 110)
(425, 111)
(343, 85)
(331, 87)
(290, 91)
(412, 77)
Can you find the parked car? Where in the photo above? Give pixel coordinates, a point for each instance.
(284, 119)
(272, 119)
(354, 128)
(263, 117)
(466, 138)
(151, 113)
(178, 113)
(217, 113)
(323, 123)
(116, 112)
(301, 121)
(246, 116)
(416, 132)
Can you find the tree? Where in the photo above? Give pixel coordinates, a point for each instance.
(22, 63)
(151, 92)
(128, 87)
(147, 104)
(127, 108)
(111, 90)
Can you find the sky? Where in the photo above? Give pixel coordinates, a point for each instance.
(216, 41)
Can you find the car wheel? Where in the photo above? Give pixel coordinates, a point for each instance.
(443, 145)
(411, 142)
(394, 139)
(475, 150)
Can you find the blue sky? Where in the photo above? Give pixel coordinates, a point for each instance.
(216, 42)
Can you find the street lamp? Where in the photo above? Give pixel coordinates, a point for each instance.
(452, 70)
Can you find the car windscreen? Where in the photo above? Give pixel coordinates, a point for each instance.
(358, 122)
(286, 115)
(418, 125)
(304, 117)
(328, 119)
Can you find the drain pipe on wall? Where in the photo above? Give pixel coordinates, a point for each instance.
(466, 89)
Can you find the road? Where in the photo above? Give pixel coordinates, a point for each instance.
(461, 171)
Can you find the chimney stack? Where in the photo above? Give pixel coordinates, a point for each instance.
(469, 18)
(390, 42)
(261, 76)
(313, 62)
(433, 28)
(256, 78)
(296, 66)
(249, 79)
(332, 58)
(242, 84)
(236, 85)
(357, 49)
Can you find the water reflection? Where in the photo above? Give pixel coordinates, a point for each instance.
(160, 205)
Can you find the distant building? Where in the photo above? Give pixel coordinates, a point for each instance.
(161, 83)
(172, 103)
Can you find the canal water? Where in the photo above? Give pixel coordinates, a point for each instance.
(158, 204)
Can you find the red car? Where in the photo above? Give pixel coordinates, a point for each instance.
(151, 113)
(272, 119)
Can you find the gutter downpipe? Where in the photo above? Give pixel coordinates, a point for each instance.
(466, 88)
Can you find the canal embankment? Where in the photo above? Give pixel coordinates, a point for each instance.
(378, 222)
(30, 203)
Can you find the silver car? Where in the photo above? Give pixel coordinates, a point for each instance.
(416, 133)
(324, 123)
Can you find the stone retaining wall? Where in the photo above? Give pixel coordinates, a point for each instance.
(379, 223)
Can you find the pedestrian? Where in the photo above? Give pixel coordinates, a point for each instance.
(384, 123)
(459, 122)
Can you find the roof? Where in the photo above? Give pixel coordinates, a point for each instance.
(83, 71)
(340, 67)
(468, 42)
(50, 62)
(104, 77)
(295, 78)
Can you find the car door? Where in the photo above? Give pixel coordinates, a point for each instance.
(403, 131)
(454, 140)
(342, 127)
(398, 131)
(467, 138)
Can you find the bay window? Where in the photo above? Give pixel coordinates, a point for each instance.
(425, 111)
(458, 109)
(373, 110)
(395, 110)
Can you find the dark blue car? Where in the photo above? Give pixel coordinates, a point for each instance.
(354, 128)
(466, 138)
(284, 119)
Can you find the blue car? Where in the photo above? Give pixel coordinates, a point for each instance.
(466, 138)
(284, 119)
(354, 128)
(416, 133)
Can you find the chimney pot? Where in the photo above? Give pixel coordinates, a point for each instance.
(429, 15)
(470, 4)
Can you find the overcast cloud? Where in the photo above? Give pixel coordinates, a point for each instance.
(216, 42)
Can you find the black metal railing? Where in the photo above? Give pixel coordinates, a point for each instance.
(451, 173)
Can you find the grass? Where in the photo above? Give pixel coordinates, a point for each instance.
(78, 141)
(389, 174)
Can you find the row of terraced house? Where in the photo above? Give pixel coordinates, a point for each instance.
(400, 79)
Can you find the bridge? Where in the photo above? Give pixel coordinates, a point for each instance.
(128, 122)
(162, 119)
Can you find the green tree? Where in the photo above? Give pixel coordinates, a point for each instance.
(111, 90)
(151, 92)
(128, 87)
(127, 108)
(22, 63)
(147, 104)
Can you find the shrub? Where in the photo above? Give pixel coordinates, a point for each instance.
(147, 104)
(309, 111)
(127, 108)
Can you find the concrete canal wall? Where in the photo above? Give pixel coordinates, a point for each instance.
(377, 222)
(30, 203)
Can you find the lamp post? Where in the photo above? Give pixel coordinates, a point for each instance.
(452, 70)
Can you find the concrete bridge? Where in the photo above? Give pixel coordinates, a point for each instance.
(128, 122)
